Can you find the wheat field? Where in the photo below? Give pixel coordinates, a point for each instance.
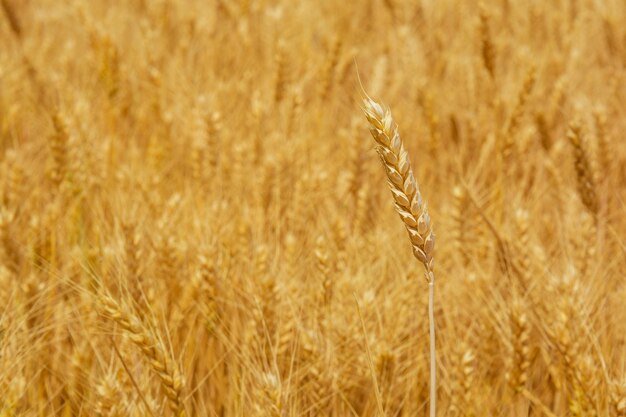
(194, 220)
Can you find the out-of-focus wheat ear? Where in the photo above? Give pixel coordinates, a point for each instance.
(468, 367)
(241, 250)
(391, 7)
(327, 74)
(207, 273)
(287, 342)
(167, 259)
(320, 379)
(426, 101)
(556, 101)
(11, 15)
(323, 264)
(523, 249)
(464, 367)
(281, 75)
(362, 216)
(606, 157)
(15, 182)
(291, 256)
(297, 208)
(385, 361)
(111, 71)
(515, 118)
(584, 173)
(488, 50)
(10, 250)
(261, 262)
(269, 290)
(340, 237)
(519, 360)
(459, 219)
(268, 395)
(356, 161)
(59, 148)
(543, 130)
(77, 378)
(214, 130)
(584, 242)
(567, 336)
(199, 154)
(385, 365)
(132, 255)
(109, 401)
(108, 55)
(618, 398)
(295, 111)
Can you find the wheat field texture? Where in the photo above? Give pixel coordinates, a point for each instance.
(194, 219)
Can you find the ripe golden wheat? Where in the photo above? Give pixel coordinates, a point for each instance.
(193, 220)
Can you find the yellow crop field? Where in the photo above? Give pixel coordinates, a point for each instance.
(283, 208)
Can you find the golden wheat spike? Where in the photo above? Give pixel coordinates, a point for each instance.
(402, 183)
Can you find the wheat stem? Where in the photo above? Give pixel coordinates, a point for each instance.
(412, 210)
(433, 358)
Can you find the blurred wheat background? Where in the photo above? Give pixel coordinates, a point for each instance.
(192, 212)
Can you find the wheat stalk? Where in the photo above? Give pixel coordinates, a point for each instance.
(410, 206)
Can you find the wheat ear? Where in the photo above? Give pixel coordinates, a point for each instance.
(404, 188)
(12, 19)
(584, 173)
(488, 49)
(410, 206)
(171, 380)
